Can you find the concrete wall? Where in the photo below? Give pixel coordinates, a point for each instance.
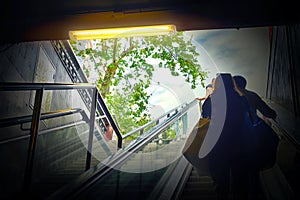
(283, 91)
(284, 77)
(35, 62)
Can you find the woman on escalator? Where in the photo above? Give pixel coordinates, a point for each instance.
(227, 163)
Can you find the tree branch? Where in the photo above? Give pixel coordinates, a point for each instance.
(126, 52)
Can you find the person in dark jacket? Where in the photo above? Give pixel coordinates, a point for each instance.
(206, 108)
(225, 108)
(254, 100)
(257, 104)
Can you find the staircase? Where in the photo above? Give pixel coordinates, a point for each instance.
(64, 162)
(198, 187)
(54, 180)
(119, 185)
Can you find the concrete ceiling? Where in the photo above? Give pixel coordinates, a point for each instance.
(34, 20)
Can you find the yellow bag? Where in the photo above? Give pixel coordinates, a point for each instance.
(193, 144)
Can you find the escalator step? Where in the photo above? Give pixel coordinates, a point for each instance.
(198, 187)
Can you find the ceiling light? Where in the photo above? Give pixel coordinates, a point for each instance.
(122, 32)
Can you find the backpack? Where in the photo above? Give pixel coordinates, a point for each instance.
(260, 141)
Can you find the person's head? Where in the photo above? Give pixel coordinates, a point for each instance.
(209, 90)
(224, 80)
(240, 81)
(213, 80)
(209, 86)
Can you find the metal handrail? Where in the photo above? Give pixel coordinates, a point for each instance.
(37, 116)
(16, 86)
(66, 54)
(279, 128)
(159, 128)
(283, 133)
(100, 171)
(42, 132)
(110, 118)
(47, 115)
(155, 121)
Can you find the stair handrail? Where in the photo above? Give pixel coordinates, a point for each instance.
(20, 86)
(100, 171)
(67, 56)
(44, 131)
(46, 115)
(36, 116)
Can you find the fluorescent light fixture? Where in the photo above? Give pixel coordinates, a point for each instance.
(122, 32)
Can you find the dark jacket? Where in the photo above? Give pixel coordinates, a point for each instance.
(257, 103)
(226, 111)
(206, 108)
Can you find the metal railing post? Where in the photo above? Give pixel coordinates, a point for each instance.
(176, 127)
(111, 120)
(33, 138)
(184, 124)
(91, 131)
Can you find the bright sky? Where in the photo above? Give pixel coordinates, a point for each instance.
(244, 51)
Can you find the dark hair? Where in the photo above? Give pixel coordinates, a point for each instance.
(224, 80)
(240, 81)
(209, 85)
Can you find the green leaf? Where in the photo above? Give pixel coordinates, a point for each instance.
(125, 69)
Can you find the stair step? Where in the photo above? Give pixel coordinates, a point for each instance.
(198, 197)
(198, 187)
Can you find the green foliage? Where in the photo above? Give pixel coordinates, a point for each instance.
(170, 134)
(128, 118)
(124, 70)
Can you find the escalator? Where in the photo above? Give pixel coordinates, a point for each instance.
(68, 149)
(147, 168)
(75, 161)
(198, 187)
(70, 164)
(132, 174)
(65, 161)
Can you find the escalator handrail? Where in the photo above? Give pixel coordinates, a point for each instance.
(146, 138)
(281, 132)
(99, 171)
(153, 121)
(279, 128)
